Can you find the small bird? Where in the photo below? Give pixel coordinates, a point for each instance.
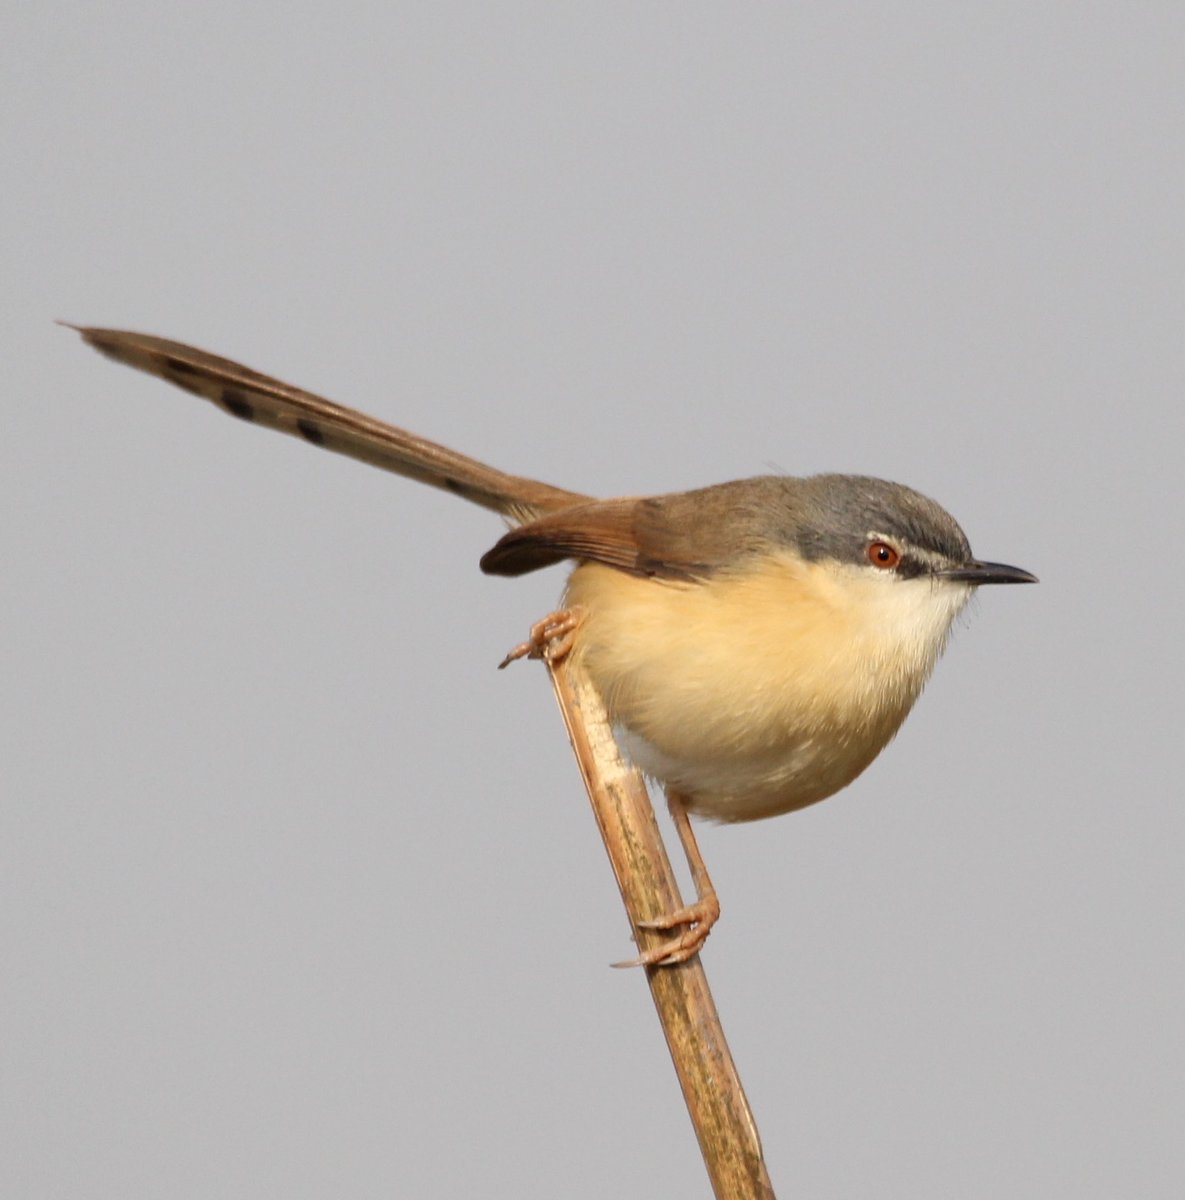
(756, 643)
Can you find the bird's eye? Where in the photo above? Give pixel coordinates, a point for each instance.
(882, 555)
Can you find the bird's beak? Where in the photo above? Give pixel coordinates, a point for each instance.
(976, 572)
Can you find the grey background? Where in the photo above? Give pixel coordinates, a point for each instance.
(302, 898)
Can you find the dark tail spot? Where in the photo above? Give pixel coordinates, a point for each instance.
(310, 432)
(182, 375)
(237, 404)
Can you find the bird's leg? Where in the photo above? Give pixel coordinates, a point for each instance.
(698, 917)
(551, 639)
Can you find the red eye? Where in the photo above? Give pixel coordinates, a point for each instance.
(882, 555)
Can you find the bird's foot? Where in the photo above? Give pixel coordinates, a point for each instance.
(699, 919)
(551, 639)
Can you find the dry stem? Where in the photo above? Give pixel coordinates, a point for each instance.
(711, 1086)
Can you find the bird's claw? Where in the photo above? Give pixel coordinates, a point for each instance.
(699, 919)
(551, 639)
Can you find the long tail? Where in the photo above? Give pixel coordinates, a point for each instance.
(254, 397)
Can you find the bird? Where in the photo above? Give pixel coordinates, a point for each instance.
(756, 643)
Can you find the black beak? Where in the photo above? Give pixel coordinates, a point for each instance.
(976, 572)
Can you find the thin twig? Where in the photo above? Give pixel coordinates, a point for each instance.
(711, 1086)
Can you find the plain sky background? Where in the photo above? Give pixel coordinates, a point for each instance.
(301, 897)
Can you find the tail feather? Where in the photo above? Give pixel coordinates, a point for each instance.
(255, 397)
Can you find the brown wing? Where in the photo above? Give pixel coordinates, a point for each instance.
(245, 393)
(601, 530)
(686, 535)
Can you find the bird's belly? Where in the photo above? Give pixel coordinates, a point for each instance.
(746, 787)
(751, 695)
